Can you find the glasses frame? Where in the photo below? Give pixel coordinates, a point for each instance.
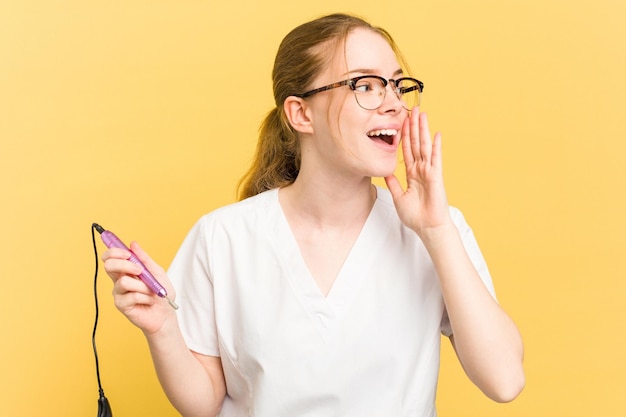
(353, 81)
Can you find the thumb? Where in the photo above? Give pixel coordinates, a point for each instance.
(155, 269)
(146, 259)
(393, 184)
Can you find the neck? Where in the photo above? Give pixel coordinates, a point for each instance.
(328, 202)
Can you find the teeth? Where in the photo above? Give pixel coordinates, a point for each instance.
(383, 132)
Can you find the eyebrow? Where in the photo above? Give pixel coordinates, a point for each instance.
(371, 71)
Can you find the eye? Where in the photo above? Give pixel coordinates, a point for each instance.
(363, 86)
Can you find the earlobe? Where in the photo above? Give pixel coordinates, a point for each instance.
(297, 113)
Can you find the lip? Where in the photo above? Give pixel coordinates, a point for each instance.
(396, 138)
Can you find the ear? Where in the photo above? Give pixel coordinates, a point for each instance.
(298, 114)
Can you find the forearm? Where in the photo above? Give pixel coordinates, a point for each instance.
(485, 338)
(191, 388)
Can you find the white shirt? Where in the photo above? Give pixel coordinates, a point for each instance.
(370, 348)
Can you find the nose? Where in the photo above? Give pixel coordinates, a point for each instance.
(391, 102)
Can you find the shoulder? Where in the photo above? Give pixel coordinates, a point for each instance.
(235, 222)
(250, 209)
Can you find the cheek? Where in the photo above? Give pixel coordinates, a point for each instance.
(340, 117)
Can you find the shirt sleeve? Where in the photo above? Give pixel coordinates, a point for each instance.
(476, 257)
(190, 273)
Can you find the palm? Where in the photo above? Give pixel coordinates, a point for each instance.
(423, 205)
(149, 318)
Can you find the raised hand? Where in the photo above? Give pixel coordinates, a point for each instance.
(423, 205)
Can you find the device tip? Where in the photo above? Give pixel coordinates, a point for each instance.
(172, 303)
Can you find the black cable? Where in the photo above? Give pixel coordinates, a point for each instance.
(104, 408)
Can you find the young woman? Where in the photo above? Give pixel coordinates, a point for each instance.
(320, 294)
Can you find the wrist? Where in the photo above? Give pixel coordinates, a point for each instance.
(438, 235)
(167, 329)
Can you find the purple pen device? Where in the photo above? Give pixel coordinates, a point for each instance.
(112, 241)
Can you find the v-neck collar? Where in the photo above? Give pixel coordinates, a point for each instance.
(328, 310)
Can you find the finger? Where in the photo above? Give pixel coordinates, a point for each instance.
(116, 268)
(437, 159)
(393, 184)
(117, 253)
(153, 267)
(405, 137)
(128, 284)
(146, 259)
(127, 301)
(424, 138)
(414, 125)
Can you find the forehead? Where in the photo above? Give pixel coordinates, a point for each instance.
(366, 51)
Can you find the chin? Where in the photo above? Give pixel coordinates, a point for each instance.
(384, 170)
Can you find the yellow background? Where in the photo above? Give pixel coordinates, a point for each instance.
(142, 116)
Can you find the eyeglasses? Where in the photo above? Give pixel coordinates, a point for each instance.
(370, 90)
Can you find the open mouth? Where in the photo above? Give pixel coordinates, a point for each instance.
(386, 135)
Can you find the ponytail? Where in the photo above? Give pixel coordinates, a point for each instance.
(277, 159)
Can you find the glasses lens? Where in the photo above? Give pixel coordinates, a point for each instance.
(408, 91)
(369, 92)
